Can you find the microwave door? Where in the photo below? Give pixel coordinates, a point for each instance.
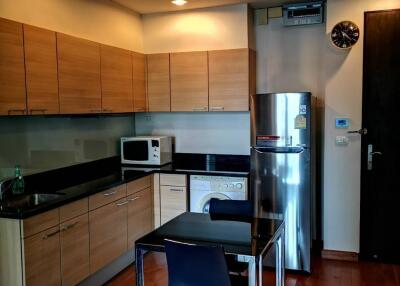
(136, 150)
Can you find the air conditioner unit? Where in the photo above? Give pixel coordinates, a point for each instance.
(303, 13)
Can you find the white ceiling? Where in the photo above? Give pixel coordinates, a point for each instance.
(156, 6)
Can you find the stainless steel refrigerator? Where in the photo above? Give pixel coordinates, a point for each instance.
(281, 167)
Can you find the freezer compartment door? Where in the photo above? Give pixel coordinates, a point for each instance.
(280, 188)
(281, 119)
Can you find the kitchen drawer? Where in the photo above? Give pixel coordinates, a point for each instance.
(138, 185)
(74, 209)
(172, 180)
(40, 222)
(106, 197)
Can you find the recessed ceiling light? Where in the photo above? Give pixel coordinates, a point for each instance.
(179, 2)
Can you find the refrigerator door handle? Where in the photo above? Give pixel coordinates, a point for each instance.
(291, 150)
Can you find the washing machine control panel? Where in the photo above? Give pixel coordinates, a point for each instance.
(218, 183)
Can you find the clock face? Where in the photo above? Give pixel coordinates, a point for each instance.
(345, 34)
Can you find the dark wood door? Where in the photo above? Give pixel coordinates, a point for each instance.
(380, 188)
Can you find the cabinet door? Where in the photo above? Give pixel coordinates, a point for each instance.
(229, 80)
(12, 70)
(139, 82)
(42, 258)
(74, 241)
(116, 80)
(41, 70)
(173, 202)
(189, 81)
(158, 82)
(140, 215)
(108, 233)
(79, 75)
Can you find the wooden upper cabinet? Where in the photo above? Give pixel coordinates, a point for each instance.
(158, 82)
(116, 80)
(41, 70)
(229, 80)
(12, 69)
(139, 82)
(189, 81)
(79, 75)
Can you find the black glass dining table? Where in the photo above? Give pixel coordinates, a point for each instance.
(248, 239)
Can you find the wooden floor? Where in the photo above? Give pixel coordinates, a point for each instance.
(325, 273)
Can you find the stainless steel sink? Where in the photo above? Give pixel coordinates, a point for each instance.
(31, 200)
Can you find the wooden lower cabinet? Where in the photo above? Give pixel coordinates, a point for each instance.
(140, 215)
(42, 258)
(108, 233)
(74, 240)
(173, 202)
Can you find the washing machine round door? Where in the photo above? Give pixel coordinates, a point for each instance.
(205, 202)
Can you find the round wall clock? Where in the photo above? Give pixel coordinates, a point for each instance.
(345, 34)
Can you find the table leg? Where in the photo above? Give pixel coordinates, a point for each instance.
(139, 267)
(252, 271)
(280, 260)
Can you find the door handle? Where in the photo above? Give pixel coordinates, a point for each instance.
(371, 155)
(362, 131)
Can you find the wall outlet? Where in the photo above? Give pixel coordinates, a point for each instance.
(342, 140)
(147, 117)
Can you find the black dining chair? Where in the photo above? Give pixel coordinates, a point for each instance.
(233, 208)
(197, 265)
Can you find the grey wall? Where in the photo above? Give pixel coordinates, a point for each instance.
(44, 143)
(214, 133)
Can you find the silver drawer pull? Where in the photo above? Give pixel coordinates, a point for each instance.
(38, 110)
(96, 110)
(46, 236)
(23, 111)
(122, 204)
(133, 199)
(109, 194)
(217, 108)
(140, 109)
(69, 226)
(176, 190)
(199, 108)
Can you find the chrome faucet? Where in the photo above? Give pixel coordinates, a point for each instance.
(3, 187)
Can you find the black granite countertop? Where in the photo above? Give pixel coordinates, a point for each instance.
(76, 182)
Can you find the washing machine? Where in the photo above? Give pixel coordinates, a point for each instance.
(204, 188)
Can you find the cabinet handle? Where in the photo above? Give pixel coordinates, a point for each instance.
(176, 190)
(38, 110)
(122, 204)
(69, 226)
(140, 109)
(46, 236)
(23, 111)
(107, 110)
(96, 110)
(217, 108)
(199, 108)
(133, 199)
(109, 194)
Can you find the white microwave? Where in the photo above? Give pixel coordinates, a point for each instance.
(146, 150)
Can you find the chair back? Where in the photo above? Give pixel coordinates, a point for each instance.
(195, 265)
(231, 207)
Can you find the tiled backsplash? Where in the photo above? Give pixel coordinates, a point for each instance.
(45, 143)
